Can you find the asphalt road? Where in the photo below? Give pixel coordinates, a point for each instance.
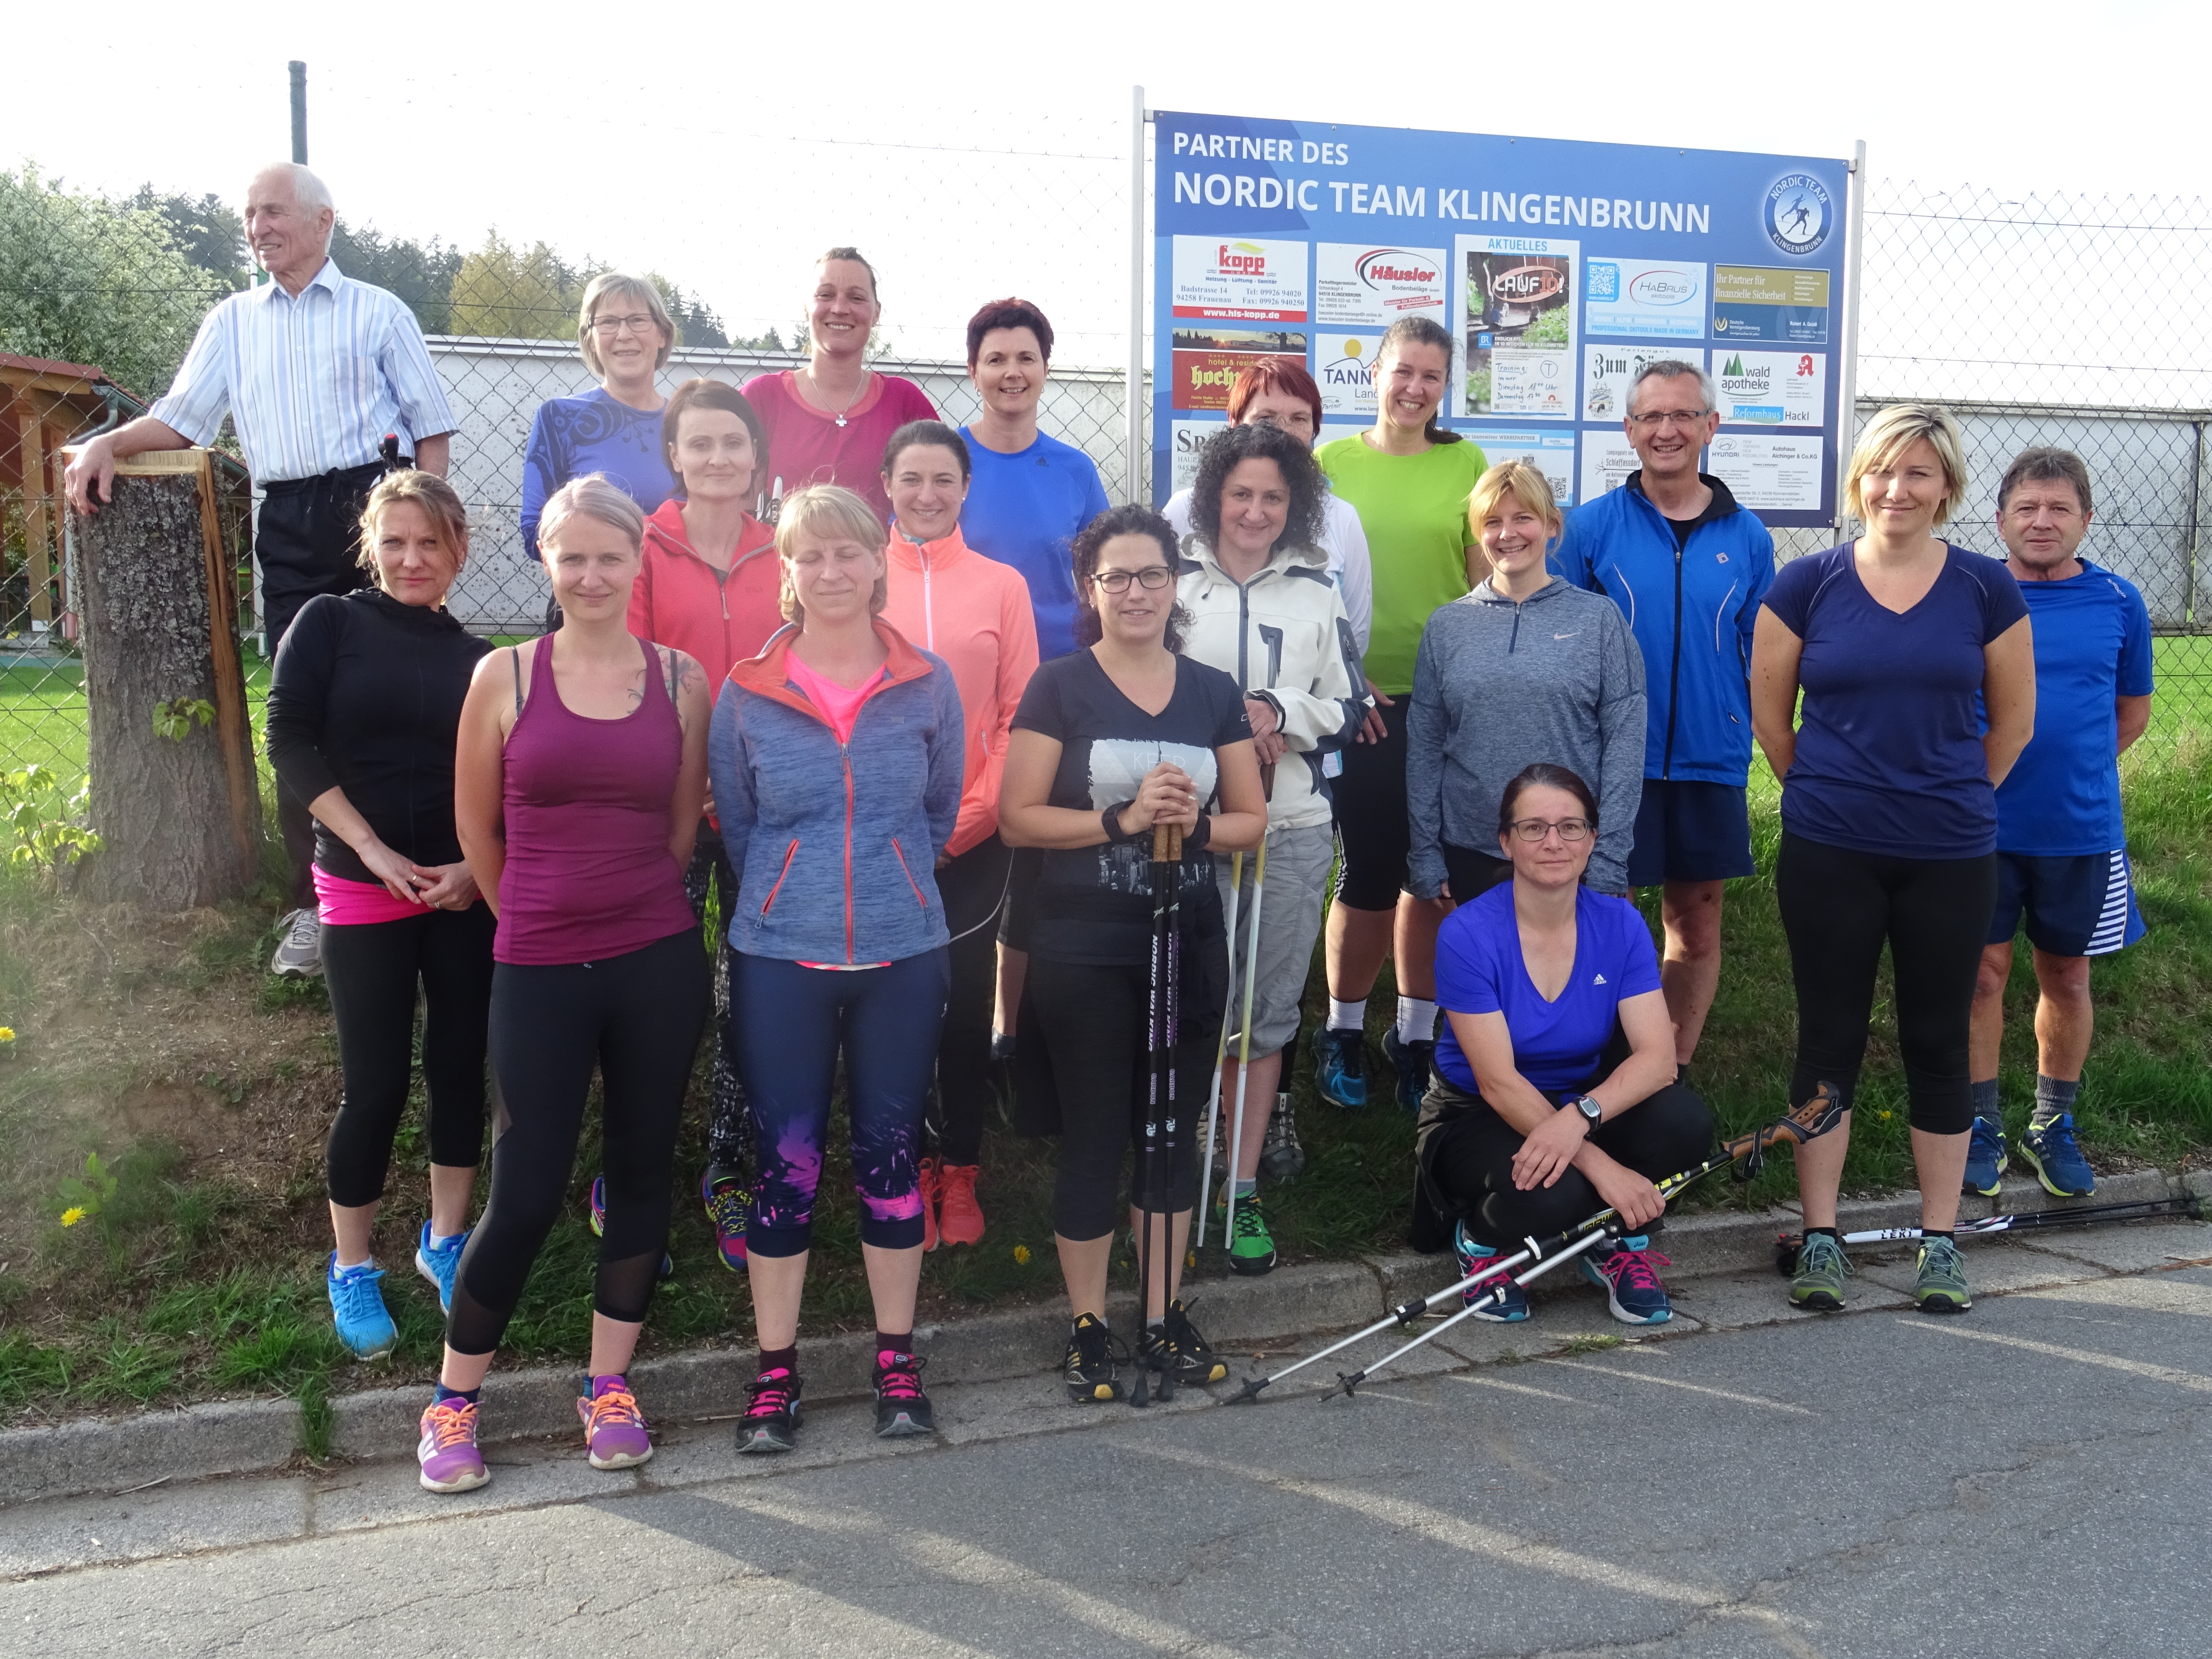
(2029, 1479)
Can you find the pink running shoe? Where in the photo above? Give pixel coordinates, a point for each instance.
(614, 1428)
(448, 1450)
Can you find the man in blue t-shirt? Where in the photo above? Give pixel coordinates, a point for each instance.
(2062, 850)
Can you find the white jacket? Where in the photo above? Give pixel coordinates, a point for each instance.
(1283, 636)
(1343, 538)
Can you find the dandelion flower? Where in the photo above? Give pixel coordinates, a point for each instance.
(1021, 1255)
(71, 1215)
(1886, 1117)
(6, 1035)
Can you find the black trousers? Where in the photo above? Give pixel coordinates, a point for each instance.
(973, 888)
(1839, 907)
(636, 1017)
(1472, 873)
(372, 971)
(307, 539)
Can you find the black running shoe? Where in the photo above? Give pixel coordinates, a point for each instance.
(1175, 1349)
(771, 1422)
(902, 1408)
(1092, 1369)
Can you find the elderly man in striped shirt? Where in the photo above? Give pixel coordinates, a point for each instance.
(313, 368)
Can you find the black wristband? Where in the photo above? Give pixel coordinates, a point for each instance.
(1195, 839)
(1111, 818)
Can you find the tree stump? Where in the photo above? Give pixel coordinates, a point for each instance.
(179, 815)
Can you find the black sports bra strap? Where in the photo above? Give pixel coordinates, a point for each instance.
(514, 655)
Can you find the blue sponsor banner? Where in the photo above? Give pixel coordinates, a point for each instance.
(1559, 267)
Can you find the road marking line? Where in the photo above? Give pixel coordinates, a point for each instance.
(2151, 1295)
(1691, 1387)
(1517, 1387)
(2189, 1380)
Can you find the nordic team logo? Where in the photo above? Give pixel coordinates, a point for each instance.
(1798, 212)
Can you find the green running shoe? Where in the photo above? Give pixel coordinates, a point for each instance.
(1251, 1246)
(1822, 1267)
(1941, 1287)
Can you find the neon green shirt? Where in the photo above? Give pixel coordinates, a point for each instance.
(1413, 508)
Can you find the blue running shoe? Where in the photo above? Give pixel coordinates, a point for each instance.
(439, 1263)
(1633, 1293)
(2057, 1160)
(1412, 1060)
(1985, 1157)
(1340, 1069)
(1505, 1303)
(357, 1309)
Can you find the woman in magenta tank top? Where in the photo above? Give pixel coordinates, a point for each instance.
(577, 786)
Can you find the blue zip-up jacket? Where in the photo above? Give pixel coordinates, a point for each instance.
(836, 844)
(1692, 612)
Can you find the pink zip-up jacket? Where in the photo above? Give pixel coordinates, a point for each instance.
(975, 614)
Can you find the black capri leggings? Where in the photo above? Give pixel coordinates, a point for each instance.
(1373, 834)
(1467, 1166)
(974, 890)
(638, 1018)
(371, 970)
(1090, 1022)
(1838, 906)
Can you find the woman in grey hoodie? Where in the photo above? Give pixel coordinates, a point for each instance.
(1523, 669)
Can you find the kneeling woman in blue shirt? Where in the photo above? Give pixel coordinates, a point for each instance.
(1536, 1122)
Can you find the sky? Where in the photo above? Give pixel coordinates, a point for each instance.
(961, 144)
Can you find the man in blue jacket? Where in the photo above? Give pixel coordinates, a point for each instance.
(1688, 567)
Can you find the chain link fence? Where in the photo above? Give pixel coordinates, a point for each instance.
(2073, 321)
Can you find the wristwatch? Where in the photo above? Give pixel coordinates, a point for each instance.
(1593, 1114)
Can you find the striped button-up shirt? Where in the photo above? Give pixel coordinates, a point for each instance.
(313, 383)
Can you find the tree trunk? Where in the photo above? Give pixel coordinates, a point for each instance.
(179, 817)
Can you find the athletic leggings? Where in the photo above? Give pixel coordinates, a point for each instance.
(1374, 836)
(637, 1016)
(792, 1022)
(371, 970)
(1092, 1020)
(1467, 1162)
(974, 890)
(729, 1130)
(1837, 906)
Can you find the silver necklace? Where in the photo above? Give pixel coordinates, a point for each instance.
(849, 402)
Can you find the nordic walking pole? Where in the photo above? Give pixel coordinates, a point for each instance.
(1171, 1141)
(1220, 1055)
(1244, 1037)
(1814, 1118)
(2186, 1204)
(1166, 847)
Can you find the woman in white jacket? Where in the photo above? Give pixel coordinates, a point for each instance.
(1263, 609)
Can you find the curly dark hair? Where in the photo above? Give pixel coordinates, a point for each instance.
(1255, 442)
(1133, 519)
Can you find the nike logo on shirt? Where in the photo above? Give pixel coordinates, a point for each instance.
(1566, 636)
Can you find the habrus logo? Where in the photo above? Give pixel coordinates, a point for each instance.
(1241, 260)
(1798, 212)
(1392, 264)
(1661, 288)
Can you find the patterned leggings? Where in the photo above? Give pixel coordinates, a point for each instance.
(729, 1130)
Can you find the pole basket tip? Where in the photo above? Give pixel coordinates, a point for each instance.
(1249, 1391)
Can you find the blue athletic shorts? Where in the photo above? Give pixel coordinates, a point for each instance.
(1689, 830)
(2075, 907)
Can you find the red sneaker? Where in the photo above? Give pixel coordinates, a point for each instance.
(961, 1222)
(929, 1204)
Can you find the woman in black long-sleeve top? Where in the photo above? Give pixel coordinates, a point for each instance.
(364, 707)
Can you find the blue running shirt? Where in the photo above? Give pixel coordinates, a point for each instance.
(1023, 510)
(571, 436)
(2062, 798)
(1481, 970)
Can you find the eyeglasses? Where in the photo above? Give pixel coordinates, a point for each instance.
(636, 324)
(1153, 577)
(1688, 419)
(1534, 829)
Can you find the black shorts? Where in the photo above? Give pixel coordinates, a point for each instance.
(2074, 906)
(1690, 830)
(1373, 835)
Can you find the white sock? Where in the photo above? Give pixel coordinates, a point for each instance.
(351, 1267)
(438, 1240)
(1417, 1020)
(1348, 1015)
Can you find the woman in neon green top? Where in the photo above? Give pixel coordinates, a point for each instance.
(1409, 478)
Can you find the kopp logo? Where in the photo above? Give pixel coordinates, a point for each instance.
(1798, 212)
(1241, 260)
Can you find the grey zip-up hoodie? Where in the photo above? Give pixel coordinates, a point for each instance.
(1498, 686)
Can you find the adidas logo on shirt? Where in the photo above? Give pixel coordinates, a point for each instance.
(1600, 980)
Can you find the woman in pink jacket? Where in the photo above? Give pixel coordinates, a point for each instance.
(975, 614)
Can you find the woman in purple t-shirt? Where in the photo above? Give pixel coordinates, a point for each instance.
(1554, 1094)
(1898, 641)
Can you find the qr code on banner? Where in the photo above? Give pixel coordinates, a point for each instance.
(1604, 281)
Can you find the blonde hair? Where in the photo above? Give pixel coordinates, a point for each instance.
(1895, 429)
(590, 497)
(620, 285)
(439, 501)
(833, 511)
(1524, 483)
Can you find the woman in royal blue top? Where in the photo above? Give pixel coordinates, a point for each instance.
(625, 334)
(1554, 1094)
(1899, 641)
